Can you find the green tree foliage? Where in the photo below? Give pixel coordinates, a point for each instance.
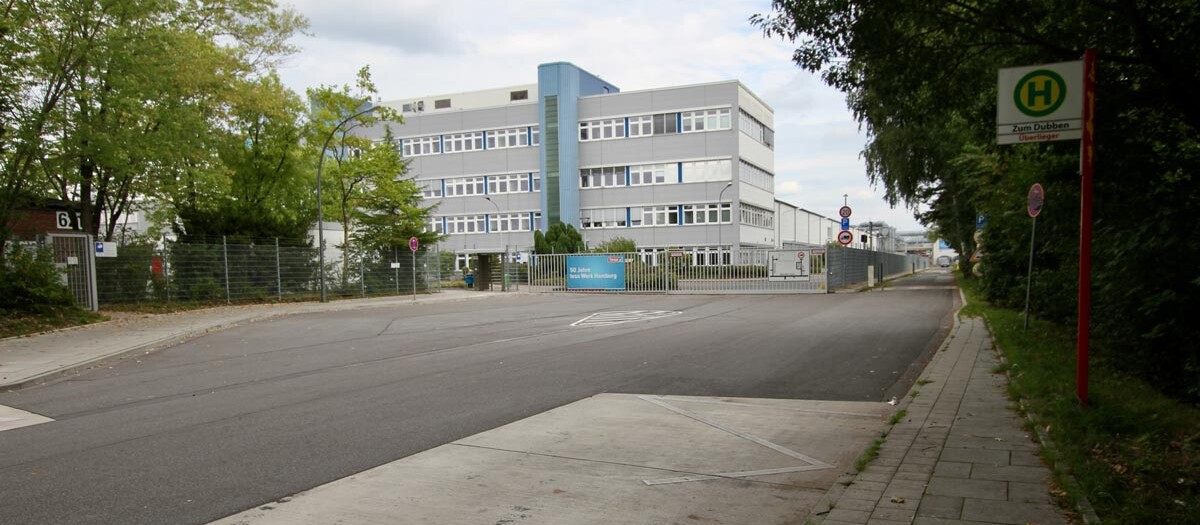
(350, 167)
(30, 283)
(559, 238)
(616, 245)
(390, 212)
(921, 78)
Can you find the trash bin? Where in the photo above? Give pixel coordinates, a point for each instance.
(470, 281)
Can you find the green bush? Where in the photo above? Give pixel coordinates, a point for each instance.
(29, 282)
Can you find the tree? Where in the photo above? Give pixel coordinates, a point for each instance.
(559, 238)
(920, 78)
(347, 177)
(390, 211)
(616, 245)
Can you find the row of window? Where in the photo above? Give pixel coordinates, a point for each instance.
(470, 141)
(756, 176)
(755, 216)
(497, 223)
(755, 129)
(635, 217)
(659, 124)
(648, 174)
(494, 184)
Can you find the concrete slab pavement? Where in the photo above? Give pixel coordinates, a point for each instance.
(610, 458)
(31, 360)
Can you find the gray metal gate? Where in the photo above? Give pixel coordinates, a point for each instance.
(75, 257)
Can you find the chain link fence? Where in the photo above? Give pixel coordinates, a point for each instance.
(220, 271)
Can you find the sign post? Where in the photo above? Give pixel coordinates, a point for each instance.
(413, 244)
(1033, 204)
(1057, 102)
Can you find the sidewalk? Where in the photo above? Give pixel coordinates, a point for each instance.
(27, 361)
(959, 456)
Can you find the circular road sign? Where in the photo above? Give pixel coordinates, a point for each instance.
(1040, 93)
(1037, 197)
(844, 211)
(413, 243)
(845, 237)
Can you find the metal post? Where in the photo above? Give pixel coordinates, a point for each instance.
(414, 274)
(166, 271)
(1086, 164)
(362, 275)
(1029, 273)
(396, 267)
(225, 253)
(278, 275)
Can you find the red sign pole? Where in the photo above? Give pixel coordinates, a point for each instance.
(1087, 159)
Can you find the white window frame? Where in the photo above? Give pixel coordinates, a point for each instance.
(606, 129)
(511, 183)
(509, 222)
(460, 142)
(433, 224)
(718, 170)
(712, 213)
(464, 186)
(705, 120)
(756, 176)
(648, 216)
(602, 218)
(755, 216)
(421, 146)
(652, 174)
(641, 126)
(465, 224)
(602, 177)
(430, 188)
(508, 138)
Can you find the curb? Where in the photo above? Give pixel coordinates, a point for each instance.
(174, 340)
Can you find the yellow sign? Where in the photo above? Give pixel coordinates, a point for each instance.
(1040, 103)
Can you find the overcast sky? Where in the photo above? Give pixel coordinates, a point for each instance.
(425, 47)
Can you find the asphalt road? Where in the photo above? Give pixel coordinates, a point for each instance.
(238, 418)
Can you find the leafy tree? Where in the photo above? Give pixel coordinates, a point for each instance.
(616, 245)
(347, 177)
(390, 211)
(920, 77)
(559, 238)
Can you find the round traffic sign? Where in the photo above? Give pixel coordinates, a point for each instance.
(844, 211)
(1037, 197)
(845, 237)
(413, 243)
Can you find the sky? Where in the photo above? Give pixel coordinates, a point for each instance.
(425, 47)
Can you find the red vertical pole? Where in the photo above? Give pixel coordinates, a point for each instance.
(1087, 160)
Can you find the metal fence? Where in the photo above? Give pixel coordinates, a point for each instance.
(258, 271)
(848, 266)
(738, 271)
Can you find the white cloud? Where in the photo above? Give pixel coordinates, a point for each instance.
(422, 47)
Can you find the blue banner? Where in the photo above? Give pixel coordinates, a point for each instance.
(595, 272)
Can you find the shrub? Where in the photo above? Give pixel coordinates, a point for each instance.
(29, 282)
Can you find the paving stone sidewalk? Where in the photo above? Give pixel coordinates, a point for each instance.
(959, 456)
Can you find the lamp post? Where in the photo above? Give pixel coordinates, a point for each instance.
(503, 258)
(720, 229)
(320, 211)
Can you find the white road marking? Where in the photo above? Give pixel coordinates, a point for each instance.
(813, 463)
(611, 318)
(11, 418)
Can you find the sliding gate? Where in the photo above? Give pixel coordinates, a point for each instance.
(737, 272)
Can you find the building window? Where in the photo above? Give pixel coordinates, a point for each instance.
(536, 136)
(515, 183)
(430, 189)
(514, 96)
(416, 147)
(537, 221)
(707, 170)
(665, 123)
(433, 224)
(647, 174)
(603, 218)
(509, 222)
(602, 177)
(464, 186)
(654, 216)
(755, 216)
(464, 142)
(441, 104)
(705, 120)
(755, 129)
(756, 176)
(508, 138)
(641, 126)
(464, 224)
(602, 129)
(706, 214)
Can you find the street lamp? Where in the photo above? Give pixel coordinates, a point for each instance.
(320, 211)
(720, 229)
(503, 258)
